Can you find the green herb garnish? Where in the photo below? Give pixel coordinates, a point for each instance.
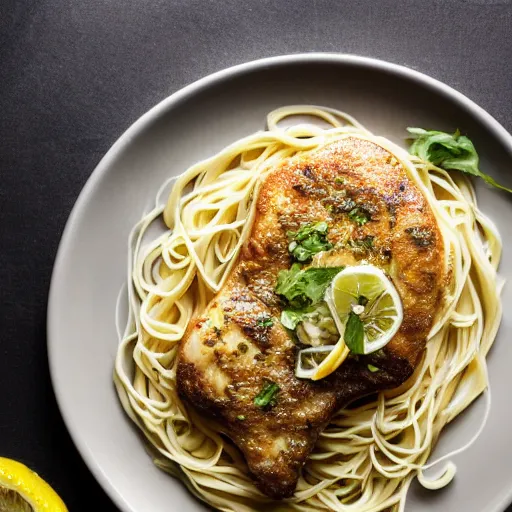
(451, 152)
(339, 203)
(309, 240)
(267, 395)
(265, 322)
(240, 417)
(362, 244)
(290, 318)
(354, 334)
(303, 288)
(372, 368)
(359, 215)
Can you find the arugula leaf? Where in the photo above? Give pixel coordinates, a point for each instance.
(354, 334)
(451, 152)
(303, 288)
(359, 215)
(309, 240)
(267, 394)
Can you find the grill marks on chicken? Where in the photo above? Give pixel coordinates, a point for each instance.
(237, 347)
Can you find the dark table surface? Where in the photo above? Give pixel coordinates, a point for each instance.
(74, 75)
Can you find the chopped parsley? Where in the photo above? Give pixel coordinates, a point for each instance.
(372, 368)
(290, 318)
(421, 237)
(240, 417)
(309, 240)
(359, 215)
(338, 203)
(267, 395)
(265, 322)
(303, 288)
(362, 244)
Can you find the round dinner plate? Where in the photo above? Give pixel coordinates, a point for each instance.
(191, 125)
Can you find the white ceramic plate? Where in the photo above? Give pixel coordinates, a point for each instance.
(191, 125)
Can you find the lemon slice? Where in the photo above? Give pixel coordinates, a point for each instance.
(22, 490)
(365, 291)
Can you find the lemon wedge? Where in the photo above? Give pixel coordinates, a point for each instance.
(367, 292)
(22, 490)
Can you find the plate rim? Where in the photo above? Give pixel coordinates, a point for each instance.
(158, 110)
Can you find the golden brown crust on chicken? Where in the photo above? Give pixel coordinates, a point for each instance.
(231, 351)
